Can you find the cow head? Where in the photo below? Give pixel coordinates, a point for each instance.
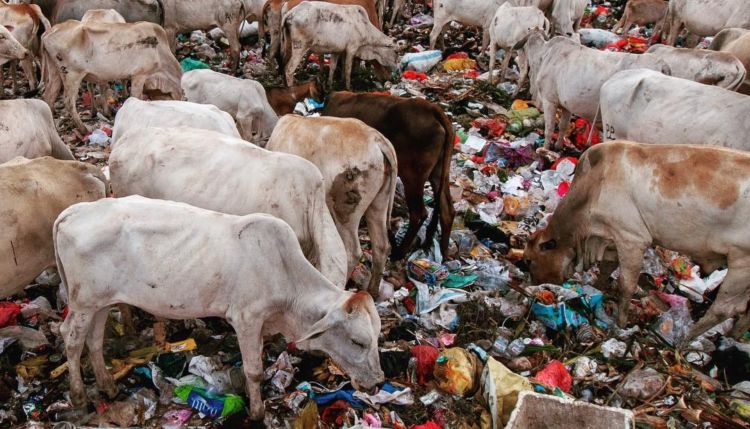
(383, 52)
(10, 48)
(349, 334)
(549, 260)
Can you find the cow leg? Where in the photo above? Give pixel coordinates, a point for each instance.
(377, 226)
(172, 39)
(630, 257)
(95, 345)
(52, 86)
(232, 31)
(136, 86)
(504, 65)
(674, 31)
(493, 51)
(251, 347)
(446, 210)
(485, 39)
(550, 113)
(93, 107)
(294, 60)
(414, 192)
(563, 127)
(332, 68)
(741, 325)
(437, 28)
(74, 330)
(731, 301)
(27, 66)
(71, 85)
(523, 66)
(348, 61)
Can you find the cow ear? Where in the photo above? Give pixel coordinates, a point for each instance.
(548, 245)
(321, 326)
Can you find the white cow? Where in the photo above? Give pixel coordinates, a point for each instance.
(566, 16)
(706, 17)
(217, 172)
(510, 26)
(181, 262)
(28, 130)
(649, 107)
(326, 28)
(136, 114)
(244, 99)
(359, 170)
(567, 75)
(103, 52)
(477, 13)
(701, 65)
(33, 192)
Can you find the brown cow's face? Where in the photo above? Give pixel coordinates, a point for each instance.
(548, 261)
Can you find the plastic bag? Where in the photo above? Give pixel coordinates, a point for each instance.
(209, 403)
(421, 61)
(455, 371)
(500, 388)
(555, 375)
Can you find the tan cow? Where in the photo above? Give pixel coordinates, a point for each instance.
(700, 65)
(629, 196)
(567, 75)
(33, 193)
(24, 22)
(649, 107)
(706, 17)
(28, 130)
(735, 41)
(104, 52)
(177, 261)
(340, 30)
(229, 175)
(642, 13)
(359, 170)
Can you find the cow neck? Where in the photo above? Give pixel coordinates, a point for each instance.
(310, 303)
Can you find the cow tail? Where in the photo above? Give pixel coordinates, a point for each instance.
(389, 153)
(445, 169)
(58, 263)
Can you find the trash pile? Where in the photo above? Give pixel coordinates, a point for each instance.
(466, 341)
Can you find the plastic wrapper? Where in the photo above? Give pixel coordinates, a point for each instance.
(500, 390)
(455, 371)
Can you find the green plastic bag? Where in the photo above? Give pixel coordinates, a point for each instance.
(189, 64)
(209, 403)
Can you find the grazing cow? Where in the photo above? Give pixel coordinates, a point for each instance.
(33, 193)
(345, 30)
(136, 114)
(567, 75)
(510, 26)
(676, 196)
(103, 52)
(423, 138)
(706, 17)
(284, 99)
(645, 106)
(244, 99)
(567, 15)
(235, 177)
(130, 10)
(477, 13)
(10, 49)
(29, 131)
(642, 13)
(181, 16)
(359, 171)
(735, 41)
(701, 65)
(274, 10)
(181, 262)
(24, 22)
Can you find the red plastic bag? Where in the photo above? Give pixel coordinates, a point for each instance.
(495, 127)
(457, 56)
(581, 134)
(8, 313)
(428, 425)
(426, 356)
(555, 375)
(410, 74)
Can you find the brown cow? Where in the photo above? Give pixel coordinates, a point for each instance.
(641, 13)
(284, 99)
(628, 196)
(423, 137)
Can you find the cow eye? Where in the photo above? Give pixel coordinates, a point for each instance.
(548, 245)
(358, 344)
